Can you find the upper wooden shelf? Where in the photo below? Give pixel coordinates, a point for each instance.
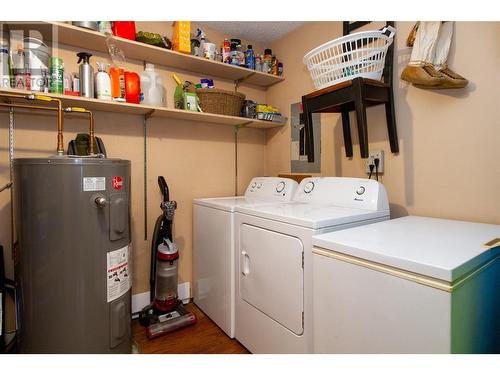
(92, 40)
(150, 111)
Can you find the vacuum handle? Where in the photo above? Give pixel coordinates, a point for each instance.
(163, 188)
(245, 263)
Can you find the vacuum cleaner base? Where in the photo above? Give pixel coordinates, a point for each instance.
(160, 323)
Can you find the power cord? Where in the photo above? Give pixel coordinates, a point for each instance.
(371, 166)
(376, 161)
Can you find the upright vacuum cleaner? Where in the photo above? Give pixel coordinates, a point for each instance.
(165, 313)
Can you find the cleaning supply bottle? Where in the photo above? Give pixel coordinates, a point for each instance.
(117, 75)
(4, 60)
(56, 83)
(86, 75)
(19, 69)
(250, 58)
(152, 89)
(179, 93)
(102, 82)
(132, 87)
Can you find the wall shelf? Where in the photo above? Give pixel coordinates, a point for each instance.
(139, 109)
(92, 40)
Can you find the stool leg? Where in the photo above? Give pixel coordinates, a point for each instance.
(360, 107)
(346, 128)
(391, 123)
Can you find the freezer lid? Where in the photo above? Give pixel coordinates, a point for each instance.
(313, 216)
(439, 248)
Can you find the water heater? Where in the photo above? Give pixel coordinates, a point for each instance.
(72, 263)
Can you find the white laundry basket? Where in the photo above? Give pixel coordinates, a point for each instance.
(355, 55)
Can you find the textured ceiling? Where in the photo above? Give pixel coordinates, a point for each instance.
(263, 32)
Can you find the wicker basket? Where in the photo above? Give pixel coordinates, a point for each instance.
(221, 102)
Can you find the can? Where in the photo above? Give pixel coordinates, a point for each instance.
(56, 84)
(226, 52)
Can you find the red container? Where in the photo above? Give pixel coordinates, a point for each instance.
(124, 29)
(132, 87)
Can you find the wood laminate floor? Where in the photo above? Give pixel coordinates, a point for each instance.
(204, 337)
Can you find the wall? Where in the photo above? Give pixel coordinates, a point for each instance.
(448, 163)
(197, 160)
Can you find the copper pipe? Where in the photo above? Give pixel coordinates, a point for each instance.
(60, 141)
(91, 125)
(69, 109)
(9, 105)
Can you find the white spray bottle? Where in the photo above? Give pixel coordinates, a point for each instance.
(102, 82)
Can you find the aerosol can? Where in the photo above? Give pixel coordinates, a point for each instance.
(165, 313)
(86, 75)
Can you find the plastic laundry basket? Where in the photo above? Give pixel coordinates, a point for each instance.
(355, 55)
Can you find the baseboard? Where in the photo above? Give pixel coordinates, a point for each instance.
(140, 300)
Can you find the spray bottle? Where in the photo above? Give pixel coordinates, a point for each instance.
(102, 82)
(179, 93)
(86, 75)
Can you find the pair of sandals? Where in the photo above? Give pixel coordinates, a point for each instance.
(427, 76)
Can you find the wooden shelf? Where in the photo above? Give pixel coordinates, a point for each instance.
(92, 40)
(139, 109)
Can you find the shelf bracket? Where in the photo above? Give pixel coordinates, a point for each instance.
(241, 126)
(145, 134)
(237, 82)
(236, 129)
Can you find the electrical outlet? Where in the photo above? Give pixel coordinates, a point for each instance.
(378, 154)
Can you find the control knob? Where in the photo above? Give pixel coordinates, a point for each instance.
(280, 187)
(308, 187)
(360, 190)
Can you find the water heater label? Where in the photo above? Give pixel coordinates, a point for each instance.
(119, 279)
(94, 183)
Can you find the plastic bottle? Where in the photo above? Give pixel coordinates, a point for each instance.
(274, 66)
(4, 60)
(250, 58)
(226, 51)
(132, 87)
(86, 75)
(152, 89)
(56, 84)
(267, 61)
(178, 93)
(258, 63)
(102, 82)
(117, 83)
(19, 69)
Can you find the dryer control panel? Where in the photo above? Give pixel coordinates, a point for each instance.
(283, 189)
(343, 191)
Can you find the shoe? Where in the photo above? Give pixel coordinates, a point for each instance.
(423, 75)
(412, 35)
(452, 80)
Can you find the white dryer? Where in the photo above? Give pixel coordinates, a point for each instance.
(274, 257)
(213, 245)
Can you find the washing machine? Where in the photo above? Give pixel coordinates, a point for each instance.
(408, 285)
(274, 257)
(213, 245)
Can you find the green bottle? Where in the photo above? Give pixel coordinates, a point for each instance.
(56, 85)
